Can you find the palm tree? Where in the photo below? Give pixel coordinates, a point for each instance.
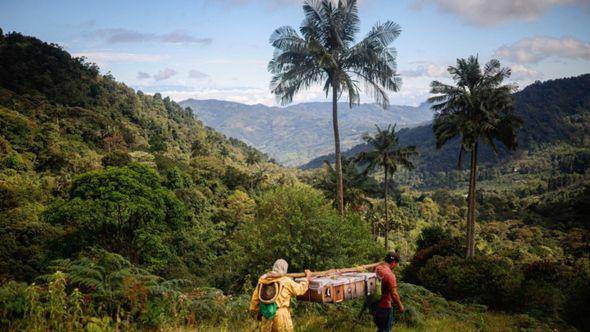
(357, 184)
(325, 54)
(385, 154)
(478, 109)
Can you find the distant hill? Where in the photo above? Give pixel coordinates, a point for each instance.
(552, 111)
(295, 134)
(59, 114)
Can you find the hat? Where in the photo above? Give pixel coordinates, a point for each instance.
(392, 256)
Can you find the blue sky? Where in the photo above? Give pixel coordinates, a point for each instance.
(219, 48)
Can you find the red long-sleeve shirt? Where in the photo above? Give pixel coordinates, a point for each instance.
(388, 283)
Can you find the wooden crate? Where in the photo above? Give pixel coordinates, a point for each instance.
(340, 288)
(370, 281)
(320, 290)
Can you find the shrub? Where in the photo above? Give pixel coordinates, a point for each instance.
(123, 210)
(542, 293)
(13, 303)
(298, 224)
(16, 128)
(577, 310)
(491, 281)
(440, 245)
(434, 235)
(116, 158)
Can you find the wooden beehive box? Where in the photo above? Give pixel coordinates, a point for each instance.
(369, 284)
(339, 288)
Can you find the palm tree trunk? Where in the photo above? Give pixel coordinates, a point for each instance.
(339, 183)
(471, 204)
(386, 211)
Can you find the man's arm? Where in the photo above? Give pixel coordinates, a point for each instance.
(396, 299)
(299, 288)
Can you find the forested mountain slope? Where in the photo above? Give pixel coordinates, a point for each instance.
(60, 118)
(552, 111)
(59, 105)
(297, 133)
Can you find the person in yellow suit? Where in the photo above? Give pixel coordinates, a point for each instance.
(275, 287)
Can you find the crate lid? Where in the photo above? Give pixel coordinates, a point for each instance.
(364, 275)
(317, 283)
(322, 282)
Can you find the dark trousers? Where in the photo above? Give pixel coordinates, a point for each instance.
(383, 319)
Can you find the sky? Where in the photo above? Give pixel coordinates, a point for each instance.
(219, 49)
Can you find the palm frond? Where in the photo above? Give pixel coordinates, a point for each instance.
(286, 38)
(385, 152)
(385, 33)
(477, 108)
(323, 54)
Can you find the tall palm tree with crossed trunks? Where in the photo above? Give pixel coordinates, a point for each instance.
(478, 108)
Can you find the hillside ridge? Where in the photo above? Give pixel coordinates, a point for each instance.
(553, 110)
(297, 133)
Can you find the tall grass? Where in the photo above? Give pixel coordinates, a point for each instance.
(62, 304)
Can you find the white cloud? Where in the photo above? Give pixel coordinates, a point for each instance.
(109, 57)
(524, 74)
(414, 91)
(180, 37)
(196, 74)
(490, 12)
(164, 74)
(142, 75)
(256, 95)
(245, 95)
(239, 61)
(122, 35)
(533, 50)
(429, 70)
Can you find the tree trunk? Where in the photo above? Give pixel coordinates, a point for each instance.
(471, 204)
(386, 211)
(339, 183)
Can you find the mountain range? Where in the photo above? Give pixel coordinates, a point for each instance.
(296, 134)
(552, 111)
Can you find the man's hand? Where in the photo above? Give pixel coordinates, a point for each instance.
(307, 275)
(401, 308)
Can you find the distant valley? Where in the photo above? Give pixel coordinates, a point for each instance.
(296, 134)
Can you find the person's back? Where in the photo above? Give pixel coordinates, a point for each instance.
(272, 297)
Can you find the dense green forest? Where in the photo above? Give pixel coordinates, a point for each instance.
(119, 210)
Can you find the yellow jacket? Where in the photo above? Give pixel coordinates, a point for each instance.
(288, 289)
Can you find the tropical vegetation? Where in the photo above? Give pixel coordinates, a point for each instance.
(120, 210)
(388, 156)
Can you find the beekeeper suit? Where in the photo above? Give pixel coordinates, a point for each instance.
(273, 296)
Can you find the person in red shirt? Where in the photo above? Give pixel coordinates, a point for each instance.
(383, 315)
